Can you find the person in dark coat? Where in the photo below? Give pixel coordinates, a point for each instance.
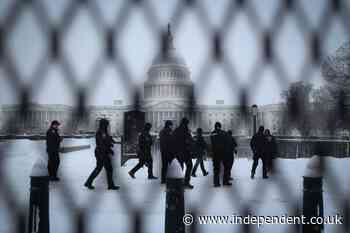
(53, 141)
(165, 147)
(258, 146)
(200, 147)
(145, 143)
(231, 150)
(219, 148)
(270, 150)
(182, 147)
(103, 151)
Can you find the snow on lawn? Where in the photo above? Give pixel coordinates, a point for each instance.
(112, 210)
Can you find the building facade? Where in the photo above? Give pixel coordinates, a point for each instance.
(167, 92)
(40, 116)
(36, 120)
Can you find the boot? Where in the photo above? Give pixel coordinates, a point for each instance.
(113, 187)
(89, 186)
(188, 186)
(252, 175)
(152, 177)
(132, 174)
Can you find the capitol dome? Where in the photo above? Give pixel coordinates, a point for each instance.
(172, 58)
(168, 78)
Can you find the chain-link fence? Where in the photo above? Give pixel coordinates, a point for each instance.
(314, 35)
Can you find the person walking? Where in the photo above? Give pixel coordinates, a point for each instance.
(182, 147)
(145, 143)
(53, 141)
(219, 148)
(258, 146)
(200, 150)
(165, 148)
(271, 150)
(103, 153)
(231, 150)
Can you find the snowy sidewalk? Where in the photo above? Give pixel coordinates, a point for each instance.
(109, 211)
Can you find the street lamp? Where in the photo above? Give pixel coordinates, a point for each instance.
(255, 116)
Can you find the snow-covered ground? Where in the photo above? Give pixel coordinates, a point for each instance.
(112, 210)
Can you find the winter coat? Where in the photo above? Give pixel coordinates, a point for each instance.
(218, 143)
(200, 146)
(104, 144)
(182, 143)
(53, 141)
(258, 144)
(145, 143)
(271, 146)
(231, 146)
(165, 141)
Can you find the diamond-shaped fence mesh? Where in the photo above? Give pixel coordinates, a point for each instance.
(82, 76)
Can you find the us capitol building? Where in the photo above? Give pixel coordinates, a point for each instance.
(165, 97)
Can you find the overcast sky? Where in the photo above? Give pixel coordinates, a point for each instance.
(83, 45)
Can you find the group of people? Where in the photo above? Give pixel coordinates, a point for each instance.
(180, 145)
(175, 144)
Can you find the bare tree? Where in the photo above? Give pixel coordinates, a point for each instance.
(298, 102)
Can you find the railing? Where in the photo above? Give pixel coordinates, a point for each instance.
(296, 148)
(286, 148)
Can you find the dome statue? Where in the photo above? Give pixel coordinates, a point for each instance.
(170, 56)
(168, 77)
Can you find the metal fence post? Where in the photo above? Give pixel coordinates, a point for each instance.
(39, 197)
(175, 203)
(312, 196)
(39, 205)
